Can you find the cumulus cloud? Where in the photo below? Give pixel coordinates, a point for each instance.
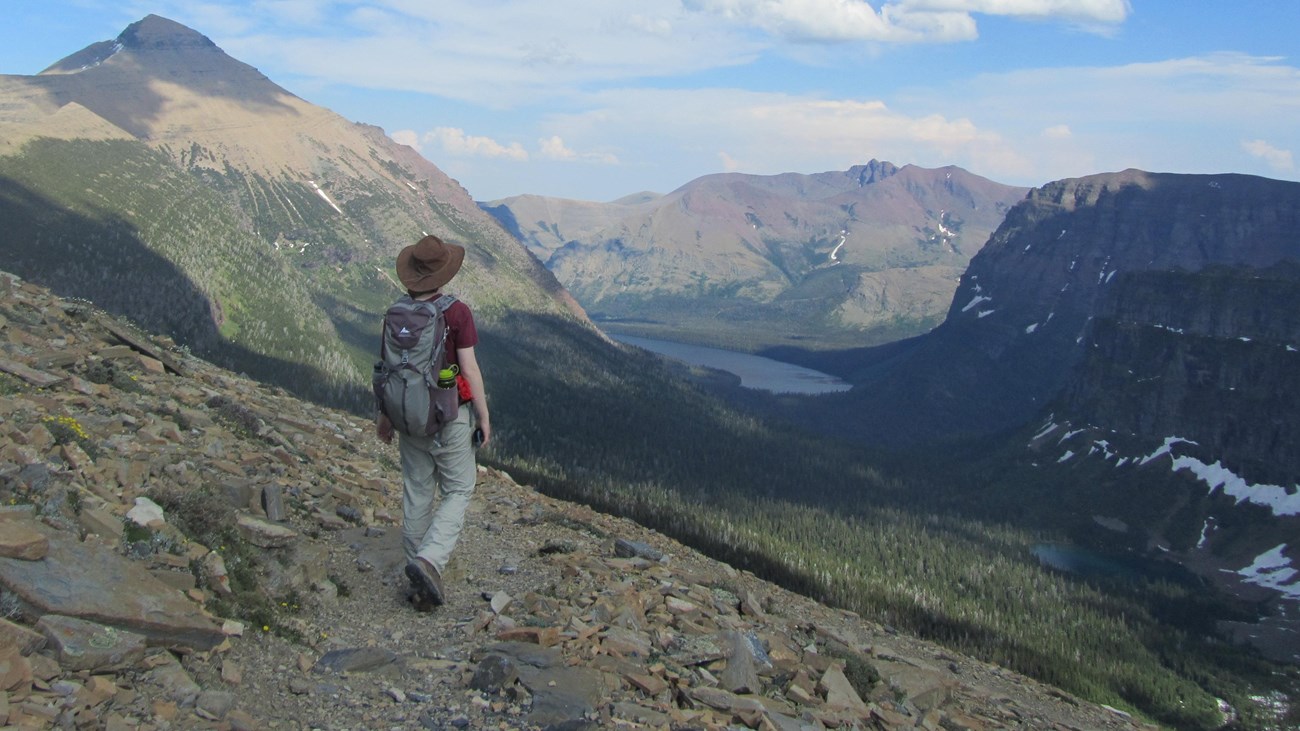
(408, 137)
(454, 141)
(689, 133)
(1278, 159)
(900, 21)
(1058, 132)
(553, 148)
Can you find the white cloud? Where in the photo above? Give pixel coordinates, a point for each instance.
(839, 20)
(454, 141)
(1177, 115)
(682, 132)
(509, 54)
(1278, 159)
(553, 148)
(587, 81)
(900, 21)
(407, 137)
(1079, 11)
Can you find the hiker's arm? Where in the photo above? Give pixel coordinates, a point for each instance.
(469, 368)
(384, 428)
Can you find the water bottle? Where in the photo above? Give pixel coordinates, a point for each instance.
(447, 376)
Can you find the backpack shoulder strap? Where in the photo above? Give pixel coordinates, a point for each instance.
(444, 302)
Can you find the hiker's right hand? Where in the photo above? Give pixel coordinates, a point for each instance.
(384, 429)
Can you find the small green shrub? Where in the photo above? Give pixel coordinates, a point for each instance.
(9, 385)
(67, 430)
(240, 420)
(861, 674)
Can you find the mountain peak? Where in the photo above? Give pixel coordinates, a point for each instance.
(873, 171)
(152, 33)
(156, 33)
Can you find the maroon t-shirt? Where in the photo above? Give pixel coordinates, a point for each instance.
(461, 332)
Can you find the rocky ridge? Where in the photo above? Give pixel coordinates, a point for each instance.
(121, 454)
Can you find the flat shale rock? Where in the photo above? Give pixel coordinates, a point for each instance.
(83, 580)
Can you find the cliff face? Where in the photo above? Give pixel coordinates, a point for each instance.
(1074, 254)
(1210, 357)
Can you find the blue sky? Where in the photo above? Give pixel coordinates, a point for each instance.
(594, 101)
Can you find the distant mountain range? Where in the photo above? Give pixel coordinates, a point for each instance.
(864, 255)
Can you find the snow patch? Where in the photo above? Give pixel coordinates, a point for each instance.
(111, 53)
(835, 253)
(1048, 429)
(325, 197)
(1274, 497)
(1069, 434)
(1101, 277)
(1205, 532)
(1103, 446)
(986, 313)
(976, 301)
(1068, 454)
(1030, 329)
(1273, 570)
(1165, 448)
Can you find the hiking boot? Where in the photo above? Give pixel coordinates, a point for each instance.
(426, 581)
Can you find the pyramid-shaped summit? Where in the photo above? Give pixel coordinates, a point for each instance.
(151, 34)
(155, 32)
(163, 82)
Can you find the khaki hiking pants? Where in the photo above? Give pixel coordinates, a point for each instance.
(438, 469)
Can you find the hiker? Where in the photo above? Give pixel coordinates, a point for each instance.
(439, 469)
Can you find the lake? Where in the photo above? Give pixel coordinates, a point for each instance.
(1084, 562)
(1081, 561)
(754, 371)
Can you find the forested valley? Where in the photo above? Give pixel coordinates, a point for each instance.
(906, 539)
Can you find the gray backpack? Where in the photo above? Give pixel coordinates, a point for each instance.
(412, 350)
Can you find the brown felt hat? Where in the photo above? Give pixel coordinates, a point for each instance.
(428, 264)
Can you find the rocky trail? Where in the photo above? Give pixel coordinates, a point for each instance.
(183, 548)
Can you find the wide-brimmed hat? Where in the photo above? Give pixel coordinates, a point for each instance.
(428, 264)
